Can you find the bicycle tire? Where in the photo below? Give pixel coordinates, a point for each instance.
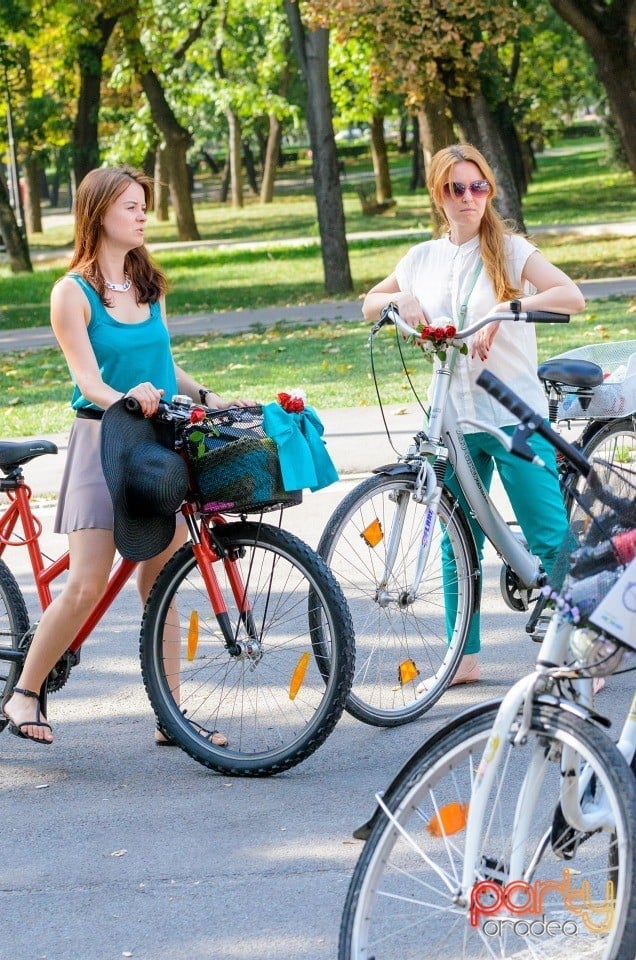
(14, 624)
(399, 642)
(398, 891)
(252, 697)
(613, 441)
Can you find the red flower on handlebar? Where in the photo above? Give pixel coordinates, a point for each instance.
(435, 341)
(292, 402)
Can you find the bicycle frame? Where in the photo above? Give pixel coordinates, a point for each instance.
(19, 510)
(523, 695)
(445, 442)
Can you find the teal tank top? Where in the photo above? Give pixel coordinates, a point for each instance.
(127, 353)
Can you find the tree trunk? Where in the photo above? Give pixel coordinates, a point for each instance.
(32, 206)
(312, 52)
(178, 183)
(175, 137)
(435, 131)
(381, 172)
(234, 144)
(608, 30)
(250, 166)
(15, 243)
(478, 127)
(224, 189)
(272, 155)
(85, 129)
(161, 191)
(417, 180)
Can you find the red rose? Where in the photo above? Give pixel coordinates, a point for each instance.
(451, 331)
(197, 414)
(440, 333)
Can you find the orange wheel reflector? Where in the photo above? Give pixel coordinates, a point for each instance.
(193, 635)
(407, 671)
(298, 675)
(449, 819)
(373, 535)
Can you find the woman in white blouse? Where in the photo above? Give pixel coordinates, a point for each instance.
(478, 266)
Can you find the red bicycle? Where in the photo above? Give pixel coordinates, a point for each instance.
(259, 639)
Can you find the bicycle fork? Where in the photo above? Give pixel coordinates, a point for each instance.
(208, 551)
(426, 481)
(521, 698)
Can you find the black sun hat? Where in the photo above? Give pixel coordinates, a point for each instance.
(147, 482)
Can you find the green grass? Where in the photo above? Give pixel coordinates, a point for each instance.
(207, 280)
(330, 361)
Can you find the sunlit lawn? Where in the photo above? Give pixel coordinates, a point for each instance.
(328, 360)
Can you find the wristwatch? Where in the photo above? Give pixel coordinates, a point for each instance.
(515, 306)
(203, 392)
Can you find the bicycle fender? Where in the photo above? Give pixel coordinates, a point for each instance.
(363, 831)
(576, 709)
(391, 469)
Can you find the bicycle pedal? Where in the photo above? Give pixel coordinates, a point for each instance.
(538, 630)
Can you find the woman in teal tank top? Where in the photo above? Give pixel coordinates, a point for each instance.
(108, 314)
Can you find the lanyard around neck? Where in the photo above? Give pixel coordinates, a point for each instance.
(463, 310)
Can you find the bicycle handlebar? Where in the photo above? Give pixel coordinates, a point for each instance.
(165, 411)
(511, 401)
(390, 314)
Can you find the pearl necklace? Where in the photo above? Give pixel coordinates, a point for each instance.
(120, 287)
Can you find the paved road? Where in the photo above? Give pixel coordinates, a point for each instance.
(114, 848)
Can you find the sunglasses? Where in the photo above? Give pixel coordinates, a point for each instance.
(478, 188)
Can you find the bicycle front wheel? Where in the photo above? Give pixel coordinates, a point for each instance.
(14, 625)
(405, 632)
(255, 673)
(577, 897)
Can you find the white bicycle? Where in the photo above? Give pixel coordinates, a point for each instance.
(390, 538)
(511, 832)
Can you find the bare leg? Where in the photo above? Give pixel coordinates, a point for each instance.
(92, 553)
(148, 573)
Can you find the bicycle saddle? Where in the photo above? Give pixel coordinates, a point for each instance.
(14, 453)
(571, 373)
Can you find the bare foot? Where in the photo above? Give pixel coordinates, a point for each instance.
(467, 672)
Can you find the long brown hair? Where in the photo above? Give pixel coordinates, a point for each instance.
(95, 194)
(493, 228)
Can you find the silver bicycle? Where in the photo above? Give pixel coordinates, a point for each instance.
(511, 832)
(387, 539)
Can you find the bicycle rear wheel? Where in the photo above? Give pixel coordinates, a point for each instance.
(613, 441)
(405, 891)
(401, 637)
(274, 694)
(14, 625)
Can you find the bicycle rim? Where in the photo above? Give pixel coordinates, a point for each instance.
(272, 697)
(401, 639)
(403, 894)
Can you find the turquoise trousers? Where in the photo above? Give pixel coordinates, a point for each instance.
(536, 500)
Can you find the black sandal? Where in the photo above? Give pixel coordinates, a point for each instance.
(169, 742)
(16, 728)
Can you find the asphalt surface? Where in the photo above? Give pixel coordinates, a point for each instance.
(114, 848)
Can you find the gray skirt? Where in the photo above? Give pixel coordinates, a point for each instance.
(84, 501)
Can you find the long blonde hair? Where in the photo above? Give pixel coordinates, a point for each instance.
(95, 194)
(493, 228)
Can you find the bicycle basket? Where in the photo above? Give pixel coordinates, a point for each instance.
(602, 539)
(234, 465)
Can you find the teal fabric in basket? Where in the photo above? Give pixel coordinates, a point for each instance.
(304, 459)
